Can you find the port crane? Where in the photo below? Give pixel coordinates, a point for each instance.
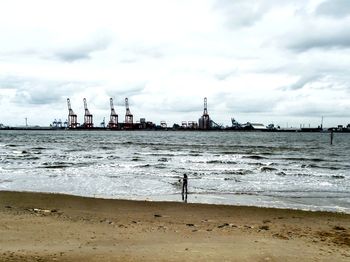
(113, 122)
(72, 117)
(87, 117)
(128, 116)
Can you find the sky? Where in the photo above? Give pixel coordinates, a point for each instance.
(263, 61)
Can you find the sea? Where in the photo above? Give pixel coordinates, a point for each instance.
(266, 169)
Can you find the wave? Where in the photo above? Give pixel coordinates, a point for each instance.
(232, 179)
(255, 157)
(159, 166)
(55, 166)
(112, 157)
(305, 159)
(39, 148)
(221, 162)
(338, 177)
(160, 154)
(320, 167)
(58, 165)
(267, 169)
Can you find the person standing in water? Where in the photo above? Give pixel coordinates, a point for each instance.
(184, 187)
(332, 135)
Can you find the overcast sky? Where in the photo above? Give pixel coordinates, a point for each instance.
(267, 61)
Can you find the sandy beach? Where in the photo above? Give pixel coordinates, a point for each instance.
(52, 227)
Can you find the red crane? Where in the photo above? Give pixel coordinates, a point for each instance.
(113, 122)
(72, 118)
(87, 117)
(128, 116)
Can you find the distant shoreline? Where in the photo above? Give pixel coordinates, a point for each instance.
(303, 130)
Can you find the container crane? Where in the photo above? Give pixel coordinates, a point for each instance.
(72, 118)
(113, 122)
(87, 117)
(128, 116)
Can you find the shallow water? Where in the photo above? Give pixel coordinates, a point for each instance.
(292, 170)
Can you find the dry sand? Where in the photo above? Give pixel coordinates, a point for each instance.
(51, 227)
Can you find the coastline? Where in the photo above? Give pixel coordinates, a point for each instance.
(46, 227)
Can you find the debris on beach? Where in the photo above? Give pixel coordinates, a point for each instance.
(265, 227)
(39, 210)
(223, 225)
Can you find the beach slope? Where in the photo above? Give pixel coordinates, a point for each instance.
(53, 227)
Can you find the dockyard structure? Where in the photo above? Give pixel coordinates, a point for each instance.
(113, 121)
(128, 124)
(72, 117)
(204, 121)
(88, 123)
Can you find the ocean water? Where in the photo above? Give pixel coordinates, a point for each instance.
(284, 170)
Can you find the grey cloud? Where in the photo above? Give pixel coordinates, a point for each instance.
(322, 39)
(178, 105)
(310, 108)
(322, 79)
(39, 91)
(153, 52)
(334, 8)
(67, 54)
(251, 104)
(120, 93)
(137, 52)
(240, 13)
(243, 13)
(302, 81)
(225, 75)
(83, 51)
(12, 82)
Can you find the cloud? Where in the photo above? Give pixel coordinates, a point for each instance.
(338, 38)
(36, 91)
(303, 81)
(243, 13)
(334, 8)
(240, 13)
(128, 90)
(152, 52)
(225, 75)
(83, 51)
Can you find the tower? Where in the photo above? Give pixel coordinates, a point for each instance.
(204, 121)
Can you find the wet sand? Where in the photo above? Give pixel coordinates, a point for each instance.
(52, 227)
